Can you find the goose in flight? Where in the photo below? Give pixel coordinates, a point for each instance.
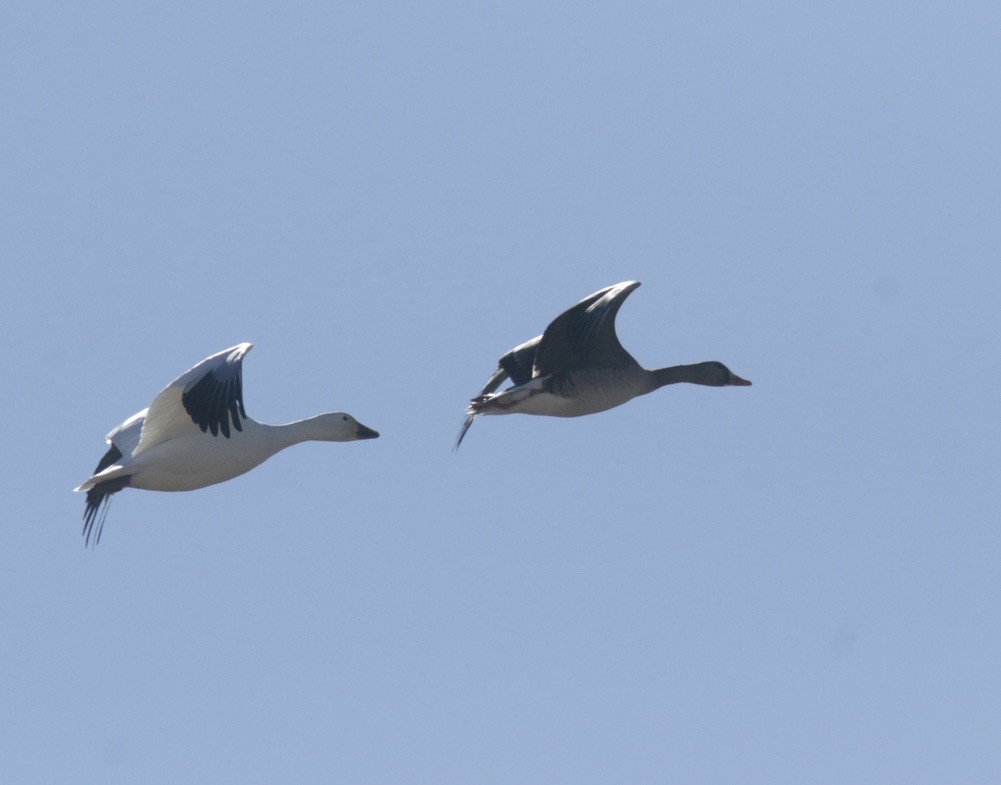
(196, 433)
(577, 367)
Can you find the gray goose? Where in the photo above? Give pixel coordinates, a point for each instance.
(577, 367)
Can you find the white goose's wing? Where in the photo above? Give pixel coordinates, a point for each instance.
(125, 438)
(208, 398)
(122, 441)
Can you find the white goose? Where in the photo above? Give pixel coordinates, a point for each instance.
(577, 367)
(196, 433)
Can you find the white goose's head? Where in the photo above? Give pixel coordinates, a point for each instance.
(340, 427)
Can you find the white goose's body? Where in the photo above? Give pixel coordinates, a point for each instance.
(196, 433)
(191, 462)
(578, 367)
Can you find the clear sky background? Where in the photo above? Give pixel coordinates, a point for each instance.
(796, 582)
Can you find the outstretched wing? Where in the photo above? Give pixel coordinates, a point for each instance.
(209, 397)
(125, 438)
(122, 441)
(517, 365)
(584, 336)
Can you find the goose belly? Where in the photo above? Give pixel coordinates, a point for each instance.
(555, 405)
(188, 464)
(553, 397)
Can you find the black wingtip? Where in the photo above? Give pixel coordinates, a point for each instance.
(96, 510)
(468, 421)
(215, 403)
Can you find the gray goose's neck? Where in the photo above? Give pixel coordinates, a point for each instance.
(696, 373)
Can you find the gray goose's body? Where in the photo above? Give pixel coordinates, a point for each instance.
(577, 367)
(196, 433)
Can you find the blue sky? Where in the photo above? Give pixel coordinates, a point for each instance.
(793, 582)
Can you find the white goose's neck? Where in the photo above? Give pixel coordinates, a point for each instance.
(278, 437)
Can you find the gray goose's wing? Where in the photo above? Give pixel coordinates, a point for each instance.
(584, 336)
(515, 365)
(518, 364)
